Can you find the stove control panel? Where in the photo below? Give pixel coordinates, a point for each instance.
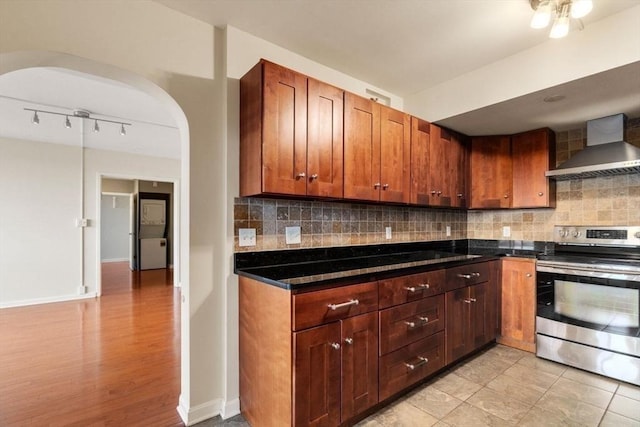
(597, 235)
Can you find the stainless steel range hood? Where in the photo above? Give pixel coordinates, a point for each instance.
(606, 152)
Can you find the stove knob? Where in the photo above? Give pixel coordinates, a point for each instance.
(563, 233)
(638, 235)
(576, 234)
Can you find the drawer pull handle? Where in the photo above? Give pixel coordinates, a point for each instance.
(420, 287)
(410, 324)
(472, 299)
(335, 345)
(469, 276)
(412, 366)
(424, 319)
(423, 285)
(466, 301)
(348, 341)
(344, 304)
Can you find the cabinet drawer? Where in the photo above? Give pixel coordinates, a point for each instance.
(319, 307)
(410, 364)
(466, 275)
(410, 322)
(410, 288)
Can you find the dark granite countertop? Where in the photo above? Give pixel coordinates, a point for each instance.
(296, 269)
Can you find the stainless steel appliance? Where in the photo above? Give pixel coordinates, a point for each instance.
(588, 301)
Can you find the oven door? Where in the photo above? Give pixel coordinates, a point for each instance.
(599, 299)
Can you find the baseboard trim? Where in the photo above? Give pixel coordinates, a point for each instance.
(195, 414)
(115, 260)
(230, 409)
(46, 300)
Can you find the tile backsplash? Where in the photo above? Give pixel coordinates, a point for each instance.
(324, 224)
(592, 201)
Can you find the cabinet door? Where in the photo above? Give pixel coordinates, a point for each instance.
(325, 140)
(518, 303)
(420, 143)
(395, 155)
(457, 166)
(491, 174)
(316, 376)
(361, 148)
(438, 168)
(359, 364)
(533, 153)
(481, 315)
(284, 131)
(457, 325)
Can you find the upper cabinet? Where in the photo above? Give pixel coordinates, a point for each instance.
(377, 151)
(290, 134)
(533, 153)
(490, 164)
(508, 172)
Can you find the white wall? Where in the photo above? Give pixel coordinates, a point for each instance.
(40, 247)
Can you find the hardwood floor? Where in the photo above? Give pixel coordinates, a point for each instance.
(108, 361)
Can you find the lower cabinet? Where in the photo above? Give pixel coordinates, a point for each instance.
(324, 357)
(518, 308)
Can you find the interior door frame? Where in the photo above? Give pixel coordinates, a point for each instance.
(175, 211)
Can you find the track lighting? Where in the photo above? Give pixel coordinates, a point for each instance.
(81, 114)
(562, 11)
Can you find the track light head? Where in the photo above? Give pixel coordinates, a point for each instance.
(67, 122)
(35, 119)
(123, 131)
(96, 127)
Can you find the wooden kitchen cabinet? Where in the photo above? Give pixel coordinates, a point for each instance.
(509, 172)
(490, 172)
(518, 307)
(377, 150)
(458, 170)
(291, 134)
(532, 154)
(471, 318)
(420, 164)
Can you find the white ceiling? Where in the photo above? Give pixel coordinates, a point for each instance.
(152, 132)
(401, 46)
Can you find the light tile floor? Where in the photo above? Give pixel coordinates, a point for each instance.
(507, 387)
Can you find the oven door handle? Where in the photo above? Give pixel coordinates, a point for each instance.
(589, 272)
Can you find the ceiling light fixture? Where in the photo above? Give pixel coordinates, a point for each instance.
(81, 114)
(562, 11)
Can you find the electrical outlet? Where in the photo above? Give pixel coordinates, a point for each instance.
(246, 237)
(448, 230)
(292, 235)
(506, 231)
(387, 232)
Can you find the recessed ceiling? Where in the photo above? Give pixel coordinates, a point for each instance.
(153, 131)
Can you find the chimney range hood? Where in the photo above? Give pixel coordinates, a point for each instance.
(606, 153)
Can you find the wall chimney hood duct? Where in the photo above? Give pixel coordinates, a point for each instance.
(606, 153)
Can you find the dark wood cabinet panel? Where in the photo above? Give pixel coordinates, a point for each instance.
(324, 140)
(457, 169)
(406, 323)
(395, 155)
(458, 325)
(518, 308)
(532, 154)
(399, 290)
(316, 379)
(361, 148)
(420, 164)
(359, 364)
(410, 364)
(490, 175)
(439, 178)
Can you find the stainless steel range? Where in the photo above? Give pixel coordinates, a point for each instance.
(588, 301)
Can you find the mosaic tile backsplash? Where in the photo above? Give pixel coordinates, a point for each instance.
(592, 201)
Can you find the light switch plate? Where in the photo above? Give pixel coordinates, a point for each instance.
(387, 232)
(292, 235)
(247, 237)
(448, 230)
(506, 231)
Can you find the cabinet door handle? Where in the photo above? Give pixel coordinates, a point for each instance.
(335, 345)
(314, 176)
(468, 301)
(348, 341)
(376, 185)
(433, 192)
(439, 192)
(506, 196)
(385, 186)
(412, 366)
(528, 274)
(472, 300)
(344, 304)
(301, 175)
(541, 194)
(460, 195)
